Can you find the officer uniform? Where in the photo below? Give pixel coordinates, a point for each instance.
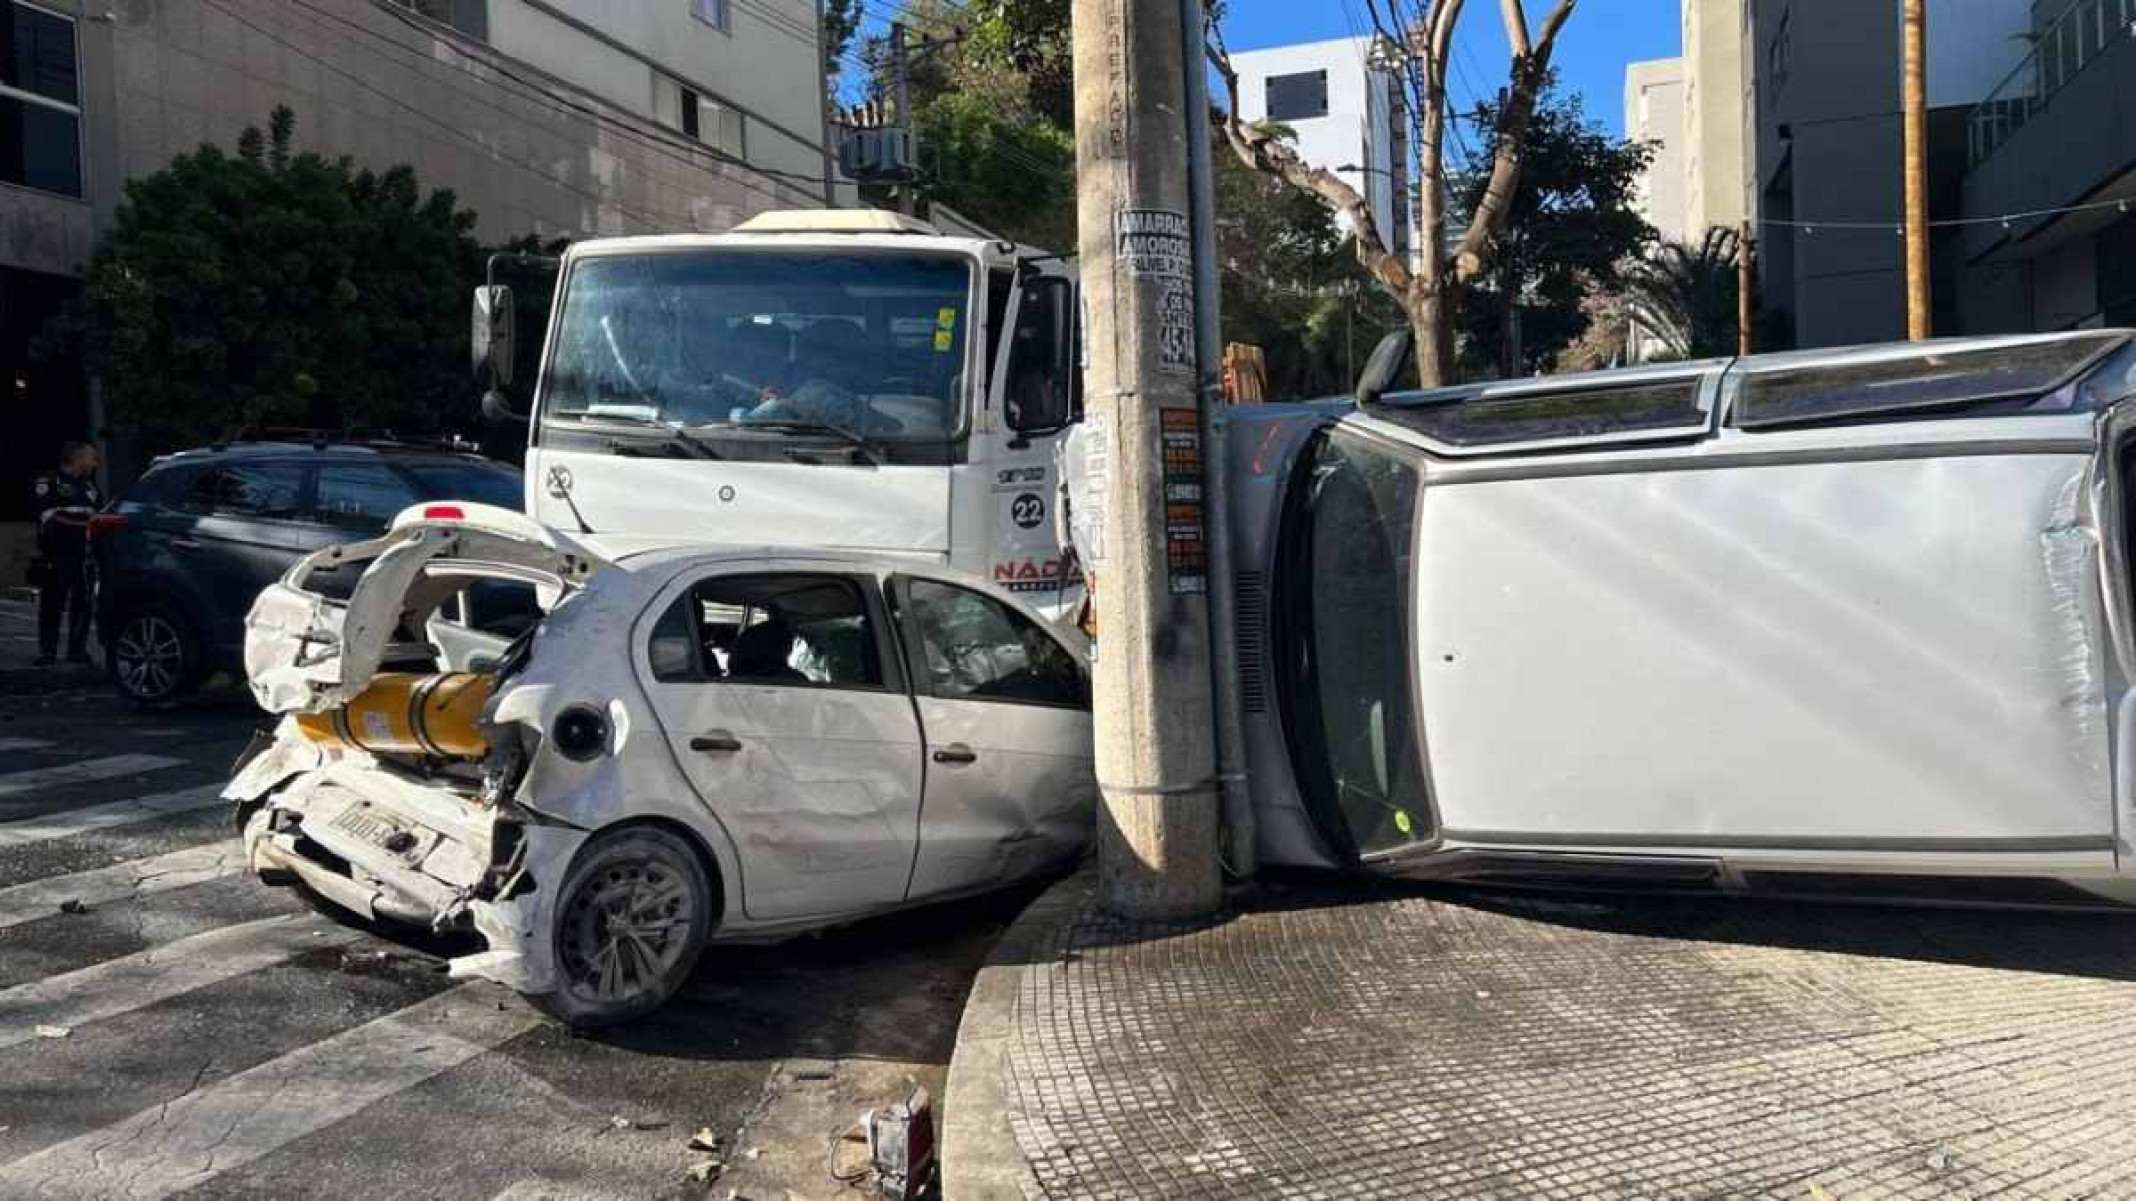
(63, 504)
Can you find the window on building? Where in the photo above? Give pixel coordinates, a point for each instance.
(706, 120)
(1298, 97)
(470, 17)
(712, 12)
(40, 101)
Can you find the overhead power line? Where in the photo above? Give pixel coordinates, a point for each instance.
(2006, 220)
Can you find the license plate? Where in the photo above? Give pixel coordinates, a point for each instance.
(369, 825)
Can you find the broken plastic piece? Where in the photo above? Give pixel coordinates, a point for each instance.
(706, 1139)
(53, 1032)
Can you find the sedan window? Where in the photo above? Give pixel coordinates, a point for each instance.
(973, 647)
(361, 496)
(768, 629)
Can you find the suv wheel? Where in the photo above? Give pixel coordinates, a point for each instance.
(153, 655)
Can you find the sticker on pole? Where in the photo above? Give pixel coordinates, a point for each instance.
(1186, 560)
(1153, 243)
(1175, 330)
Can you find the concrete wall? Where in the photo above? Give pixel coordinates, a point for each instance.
(1973, 45)
(1654, 93)
(762, 65)
(1716, 168)
(1355, 129)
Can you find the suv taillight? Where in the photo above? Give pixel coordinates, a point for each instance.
(106, 523)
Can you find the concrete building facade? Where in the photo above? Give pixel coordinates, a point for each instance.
(1655, 112)
(1347, 114)
(2032, 107)
(547, 117)
(1716, 167)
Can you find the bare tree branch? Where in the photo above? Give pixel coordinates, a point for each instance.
(1516, 27)
(1263, 151)
(1530, 69)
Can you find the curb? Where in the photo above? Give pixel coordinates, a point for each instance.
(980, 1158)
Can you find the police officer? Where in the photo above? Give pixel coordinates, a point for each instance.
(63, 502)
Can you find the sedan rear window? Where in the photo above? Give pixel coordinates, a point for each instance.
(479, 482)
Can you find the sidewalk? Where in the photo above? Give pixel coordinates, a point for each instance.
(1375, 1040)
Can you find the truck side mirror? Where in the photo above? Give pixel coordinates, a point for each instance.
(1384, 369)
(490, 335)
(499, 411)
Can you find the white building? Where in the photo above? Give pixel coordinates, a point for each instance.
(1654, 112)
(1347, 115)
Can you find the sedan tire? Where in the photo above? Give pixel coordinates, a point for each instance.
(154, 655)
(631, 919)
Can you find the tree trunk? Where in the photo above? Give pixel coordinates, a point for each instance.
(1430, 323)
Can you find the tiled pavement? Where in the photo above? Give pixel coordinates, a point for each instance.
(1322, 1041)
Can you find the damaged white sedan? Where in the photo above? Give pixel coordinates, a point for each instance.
(601, 766)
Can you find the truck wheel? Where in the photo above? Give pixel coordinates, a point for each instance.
(631, 919)
(154, 655)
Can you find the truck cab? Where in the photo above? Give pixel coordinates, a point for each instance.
(846, 379)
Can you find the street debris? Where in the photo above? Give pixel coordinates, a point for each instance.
(71, 905)
(704, 1171)
(619, 1122)
(706, 1139)
(53, 1032)
(1942, 1159)
(900, 1145)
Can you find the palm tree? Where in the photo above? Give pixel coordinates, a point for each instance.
(1685, 297)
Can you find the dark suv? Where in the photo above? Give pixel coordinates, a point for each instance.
(182, 554)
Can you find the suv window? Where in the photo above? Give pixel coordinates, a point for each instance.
(361, 495)
(248, 490)
(769, 629)
(973, 647)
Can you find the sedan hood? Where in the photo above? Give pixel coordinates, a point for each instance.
(307, 651)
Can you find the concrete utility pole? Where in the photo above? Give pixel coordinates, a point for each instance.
(1915, 98)
(900, 80)
(1746, 283)
(1157, 832)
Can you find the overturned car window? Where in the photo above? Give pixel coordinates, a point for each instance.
(1346, 573)
(1984, 381)
(768, 629)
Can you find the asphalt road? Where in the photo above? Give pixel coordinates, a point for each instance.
(169, 1027)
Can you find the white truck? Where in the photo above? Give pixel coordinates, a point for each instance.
(845, 379)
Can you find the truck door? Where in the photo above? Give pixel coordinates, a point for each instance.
(1035, 397)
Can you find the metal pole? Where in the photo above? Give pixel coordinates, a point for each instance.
(1916, 105)
(1154, 713)
(1240, 838)
(898, 78)
(1746, 283)
(823, 86)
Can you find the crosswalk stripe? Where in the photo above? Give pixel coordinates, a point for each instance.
(121, 881)
(169, 1148)
(88, 771)
(105, 816)
(136, 981)
(13, 745)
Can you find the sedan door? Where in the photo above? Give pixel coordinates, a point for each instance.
(780, 696)
(1005, 712)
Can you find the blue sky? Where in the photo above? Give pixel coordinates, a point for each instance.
(1601, 37)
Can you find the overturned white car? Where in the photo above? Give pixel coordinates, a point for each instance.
(600, 766)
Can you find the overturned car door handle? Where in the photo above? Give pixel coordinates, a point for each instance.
(717, 742)
(955, 752)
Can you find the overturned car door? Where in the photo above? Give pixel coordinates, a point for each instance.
(779, 693)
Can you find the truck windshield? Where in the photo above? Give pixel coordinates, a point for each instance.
(858, 346)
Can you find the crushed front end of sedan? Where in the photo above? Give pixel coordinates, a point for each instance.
(486, 725)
